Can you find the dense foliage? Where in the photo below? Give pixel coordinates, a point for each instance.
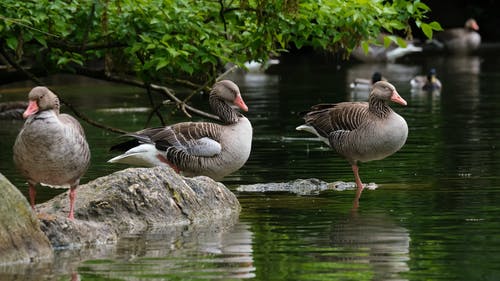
(193, 39)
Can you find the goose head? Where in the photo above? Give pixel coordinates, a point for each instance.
(229, 92)
(40, 99)
(385, 91)
(471, 24)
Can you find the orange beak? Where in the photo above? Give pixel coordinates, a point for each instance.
(32, 109)
(397, 98)
(238, 101)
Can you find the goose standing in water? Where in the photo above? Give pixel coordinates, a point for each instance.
(196, 148)
(51, 148)
(360, 131)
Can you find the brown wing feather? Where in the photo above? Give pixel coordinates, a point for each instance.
(190, 130)
(342, 116)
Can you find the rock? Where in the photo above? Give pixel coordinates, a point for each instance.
(303, 186)
(21, 239)
(132, 201)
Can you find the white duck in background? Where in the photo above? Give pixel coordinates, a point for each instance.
(360, 131)
(429, 82)
(364, 84)
(51, 148)
(196, 148)
(379, 53)
(259, 67)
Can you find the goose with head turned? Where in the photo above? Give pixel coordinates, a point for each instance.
(360, 131)
(51, 148)
(196, 148)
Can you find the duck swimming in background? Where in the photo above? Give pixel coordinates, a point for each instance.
(366, 84)
(429, 82)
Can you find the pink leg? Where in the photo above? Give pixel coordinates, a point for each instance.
(359, 184)
(72, 195)
(32, 192)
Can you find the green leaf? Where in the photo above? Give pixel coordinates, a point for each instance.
(401, 42)
(161, 64)
(435, 26)
(388, 40)
(427, 29)
(12, 42)
(365, 45)
(62, 61)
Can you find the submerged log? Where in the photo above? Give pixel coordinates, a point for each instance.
(21, 240)
(303, 186)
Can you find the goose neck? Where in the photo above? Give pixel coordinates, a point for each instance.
(379, 107)
(223, 110)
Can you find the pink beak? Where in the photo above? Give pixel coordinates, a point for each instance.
(238, 101)
(32, 109)
(397, 98)
(475, 26)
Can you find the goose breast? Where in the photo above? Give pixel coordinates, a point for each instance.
(51, 149)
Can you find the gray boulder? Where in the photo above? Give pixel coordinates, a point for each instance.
(21, 239)
(135, 200)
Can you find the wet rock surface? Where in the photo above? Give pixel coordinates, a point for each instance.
(132, 201)
(20, 237)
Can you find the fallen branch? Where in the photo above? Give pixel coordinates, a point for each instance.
(122, 80)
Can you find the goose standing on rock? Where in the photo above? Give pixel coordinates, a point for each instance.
(196, 148)
(51, 148)
(360, 131)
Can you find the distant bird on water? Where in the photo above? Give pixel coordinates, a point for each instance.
(51, 148)
(429, 82)
(363, 84)
(360, 131)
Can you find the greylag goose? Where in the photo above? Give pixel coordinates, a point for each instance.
(429, 83)
(360, 131)
(461, 40)
(51, 148)
(196, 148)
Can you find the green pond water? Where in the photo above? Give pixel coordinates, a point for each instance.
(435, 215)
